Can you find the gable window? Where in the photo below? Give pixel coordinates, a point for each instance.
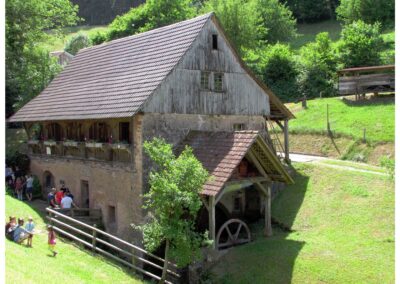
(204, 82)
(218, 82)
(215, 41)
(239, 126)
(124, 132)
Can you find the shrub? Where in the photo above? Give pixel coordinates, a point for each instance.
(17, 159)
(318, 66)
(369, 11)
(389, 164)
(311, 10)
(277, 67)
(98, 37)
(360, 44)
(77, 42)
(37, 188)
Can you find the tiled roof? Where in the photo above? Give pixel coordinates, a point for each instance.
(113, 79)
(220, 153)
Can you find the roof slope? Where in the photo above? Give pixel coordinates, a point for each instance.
(113, 79)
(221, 152)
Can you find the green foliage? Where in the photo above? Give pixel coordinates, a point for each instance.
(29, 67)
(310, 11)
(150, 15)
(369, 11)
(361, 44)
(318, 67)
(276, 21)
(173, 201)
(389, 165)
(98, 37)
(238, 20)
(17, 159)
(277, 66)
(77, 42)
(37, 187)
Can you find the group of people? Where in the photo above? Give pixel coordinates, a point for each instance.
(19, 182)
(17, 232)
(61, 198)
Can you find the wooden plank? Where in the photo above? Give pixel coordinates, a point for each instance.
(286, 139)
(268, 224)
(211, 220)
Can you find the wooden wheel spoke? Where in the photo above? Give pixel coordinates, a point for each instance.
(238, 231)
(229, 233)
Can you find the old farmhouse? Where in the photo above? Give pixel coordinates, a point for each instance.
(183, 82)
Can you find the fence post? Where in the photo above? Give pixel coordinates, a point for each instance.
(94, 234)
(328, 125)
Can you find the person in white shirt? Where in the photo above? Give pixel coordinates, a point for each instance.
(29, 187)
(66, 202)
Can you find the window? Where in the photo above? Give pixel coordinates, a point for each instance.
(239, 126)
(99, 131)
(204, 80)
(54, 131)
(124, 132)
(215, 41)
(218, 82)
(74, 131)
(111, 214)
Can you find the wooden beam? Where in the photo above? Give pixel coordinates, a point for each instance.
(268, 225)
(286, 136)
(280, 124)
(205, 202)
(211, 220)
(252, 157)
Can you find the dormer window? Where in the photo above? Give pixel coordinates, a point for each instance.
(204, 82)
(215, 42)
(218, 82)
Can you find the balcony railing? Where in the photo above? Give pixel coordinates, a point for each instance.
(111, 152)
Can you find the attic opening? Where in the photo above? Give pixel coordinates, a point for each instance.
(215, 41)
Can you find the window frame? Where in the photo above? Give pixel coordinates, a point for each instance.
(219, 83)
(205, 76)
(214, 41)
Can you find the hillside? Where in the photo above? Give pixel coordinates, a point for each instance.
(342, 232)
(348, 118)
(73, 264)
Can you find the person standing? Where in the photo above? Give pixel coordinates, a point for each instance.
(66, 202)
(30, 227)
(19, 188)
(51, 198)
(29, 187)
(52, 240)
(59, 195)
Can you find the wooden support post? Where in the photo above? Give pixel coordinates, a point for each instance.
(94, 234)
(211, 220)
(286, 140)
(268, 225)
(364, 136)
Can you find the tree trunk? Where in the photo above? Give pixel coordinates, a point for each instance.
(164, 272)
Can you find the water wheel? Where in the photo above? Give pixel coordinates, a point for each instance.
(233, 232)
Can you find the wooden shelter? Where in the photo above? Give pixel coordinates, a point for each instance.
(362, 80)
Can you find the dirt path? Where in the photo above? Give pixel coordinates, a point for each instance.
(323, 161)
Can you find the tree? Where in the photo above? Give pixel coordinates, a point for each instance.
(238, 20)
(76, 42)
(150, 15)
(360, 44)
(28, 67)
(318, 67)
(276, 19)
(310, 11)
(369, 11)
(173, 202)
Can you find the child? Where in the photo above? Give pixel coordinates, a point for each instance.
(52, 240)
(30, 226)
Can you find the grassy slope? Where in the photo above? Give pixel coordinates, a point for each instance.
(72, 265)
(347, 119)
(343, 233)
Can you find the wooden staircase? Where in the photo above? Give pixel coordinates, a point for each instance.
(274, 140)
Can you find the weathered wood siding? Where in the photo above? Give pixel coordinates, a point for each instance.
(181, 91)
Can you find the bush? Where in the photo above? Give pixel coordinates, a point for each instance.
(77, 42)
(369, 11)
(318, 67)
(389, 164)
(37, 188)
(312, 11)
(98, 37)
(277, 67)
(17, 159)
(360, 45)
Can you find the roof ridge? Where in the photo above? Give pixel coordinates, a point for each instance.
(200, 17)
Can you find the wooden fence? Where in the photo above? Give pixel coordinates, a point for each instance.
(136, 254)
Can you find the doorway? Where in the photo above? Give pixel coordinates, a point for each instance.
(85, 202)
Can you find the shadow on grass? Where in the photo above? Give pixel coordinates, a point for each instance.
(268, 260)
(387, 99)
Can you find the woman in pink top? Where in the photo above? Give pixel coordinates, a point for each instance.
(18, 188)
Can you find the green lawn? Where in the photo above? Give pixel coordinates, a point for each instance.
(54, 43)
(72, 264)
(342, 232)
(346, 118)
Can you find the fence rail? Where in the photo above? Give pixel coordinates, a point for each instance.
(54, 219)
